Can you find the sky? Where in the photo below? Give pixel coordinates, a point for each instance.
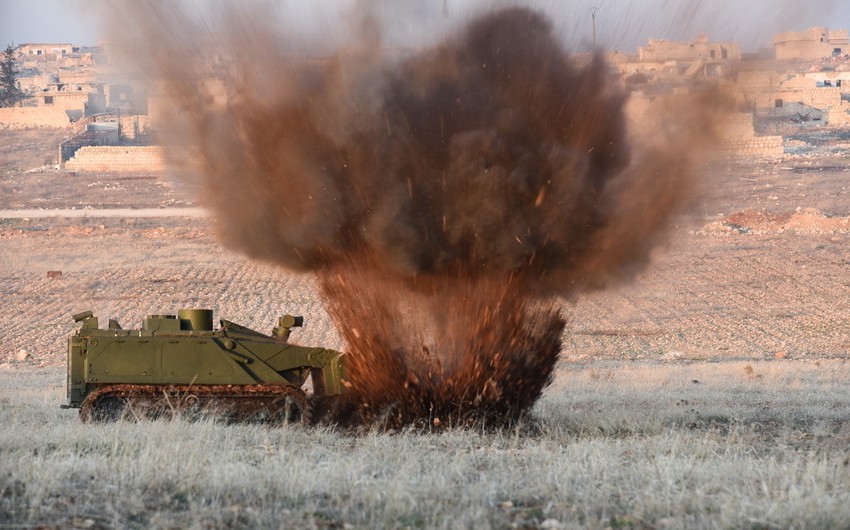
(620, 24)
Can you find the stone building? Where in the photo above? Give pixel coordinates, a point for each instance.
(813, 44)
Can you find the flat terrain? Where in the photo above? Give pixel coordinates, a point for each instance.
(757, 268)
(710, 392)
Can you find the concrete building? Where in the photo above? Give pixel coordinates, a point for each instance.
(37, 49)
(127, 97)
(813, 44)
(659, 51)
(666, 59)
(71, 98)
(822, 97)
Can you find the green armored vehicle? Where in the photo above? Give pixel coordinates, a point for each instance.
(179, 363)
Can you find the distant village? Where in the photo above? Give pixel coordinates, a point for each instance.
(802, 80)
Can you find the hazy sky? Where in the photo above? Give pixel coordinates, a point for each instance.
(621, 24)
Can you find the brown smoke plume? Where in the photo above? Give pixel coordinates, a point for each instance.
(447, 199)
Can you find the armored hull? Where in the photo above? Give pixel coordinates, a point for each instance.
(181, 364)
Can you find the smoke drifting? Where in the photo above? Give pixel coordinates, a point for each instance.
(449, 198)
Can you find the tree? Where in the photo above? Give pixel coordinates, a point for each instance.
(9, 91)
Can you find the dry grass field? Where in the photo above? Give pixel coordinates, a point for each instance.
(711, 392)
(759, 444)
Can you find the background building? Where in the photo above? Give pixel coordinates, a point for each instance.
(813, 44)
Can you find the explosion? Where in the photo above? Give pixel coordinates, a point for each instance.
(450, 200)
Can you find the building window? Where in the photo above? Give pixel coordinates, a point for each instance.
(713, 54)
(836, 51)
(724, 54)
(48, 100)
(778, 103)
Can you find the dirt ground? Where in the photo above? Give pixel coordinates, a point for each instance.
(756, 268)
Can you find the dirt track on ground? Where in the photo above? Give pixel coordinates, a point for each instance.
(757, 269)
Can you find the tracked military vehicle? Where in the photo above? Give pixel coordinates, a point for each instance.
(179, 363)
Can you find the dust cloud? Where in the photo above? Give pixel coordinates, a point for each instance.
(450, 198)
